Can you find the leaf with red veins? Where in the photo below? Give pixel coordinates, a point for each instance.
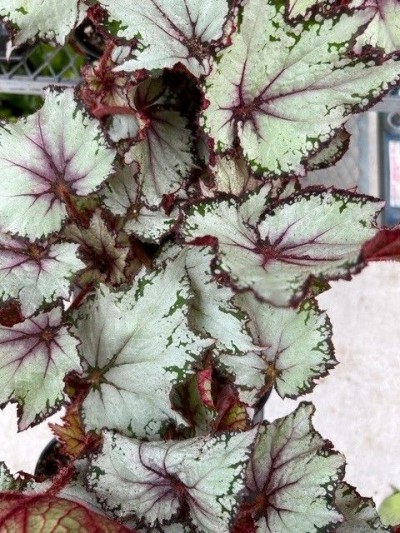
(309, 235)
(165, 156)
(153, 481)
(182, 31)
(297, 347)
(137, 344)
(284, 90)
(46, 157)
(383, 30)
(36, 273)
(104, 259)
(27, 513)
(35, 356)
(42, 19)
(292, 477)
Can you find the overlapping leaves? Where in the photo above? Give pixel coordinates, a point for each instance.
(169, 33)
(36, 273)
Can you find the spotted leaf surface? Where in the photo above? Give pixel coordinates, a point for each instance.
(164, 157)
(360, 514)
(136, 345)
(36, 273)
(292, 477)
(181, 31)
(43, 19)
(298, 346)
(283, 91)
(151, 480)
(35, 356)
(383, 30)
(57, 151)
(311, 234)
(27, 513)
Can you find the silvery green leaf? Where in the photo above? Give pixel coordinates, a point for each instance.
(292, 477)
(43, 19)
(284, 90)
(277, 252)
(169, 33)
(136, 345)
(35, 356)
(151, 480)
(57, 151)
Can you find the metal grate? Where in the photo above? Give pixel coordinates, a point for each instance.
(30, 69)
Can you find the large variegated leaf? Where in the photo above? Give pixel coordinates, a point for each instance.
(46, 157)
(360, 515)
(298, 347)
(154, 480)
(44, 19)
(312, 234)
(35, 356)
(383, 30)
(28, 513)
(164, 157)
(284, 90)
(292, 477)
(169, 33)
(36, 273)
(136, 345)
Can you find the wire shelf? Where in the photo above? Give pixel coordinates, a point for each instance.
(30, 69)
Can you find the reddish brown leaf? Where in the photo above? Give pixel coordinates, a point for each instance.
(204, 385)
(10, 314)
(232, 414)
(235, 419)
(384, 246)
(26, 514)
(71, 435)
(244, 524)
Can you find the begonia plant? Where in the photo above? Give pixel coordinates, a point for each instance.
(161, 260)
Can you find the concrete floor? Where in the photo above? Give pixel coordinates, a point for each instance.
(357, 404)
